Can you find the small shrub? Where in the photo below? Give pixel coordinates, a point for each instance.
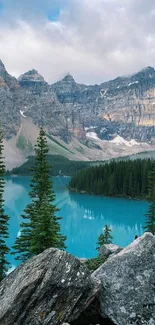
(95, 263)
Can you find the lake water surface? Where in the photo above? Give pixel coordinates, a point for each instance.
(83, 216)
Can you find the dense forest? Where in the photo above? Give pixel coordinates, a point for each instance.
(117, 178)
(60, 166)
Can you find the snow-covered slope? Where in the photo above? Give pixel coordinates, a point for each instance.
(92, 135)
(120, 141)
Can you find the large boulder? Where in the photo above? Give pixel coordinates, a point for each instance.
(128, 284)
(109, 249)
(51, 288)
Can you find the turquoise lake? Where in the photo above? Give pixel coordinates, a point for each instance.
(83, 216)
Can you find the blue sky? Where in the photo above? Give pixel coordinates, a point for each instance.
(1, 6)
(94, 40)
(53, 14)
(47, 8)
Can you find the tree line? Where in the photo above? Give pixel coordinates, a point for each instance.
(116, 178)
(60, 166)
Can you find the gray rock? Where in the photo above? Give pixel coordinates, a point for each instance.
(128, 284)
(33, 81)
(109, 249)
(83, 260)
(69, 110)
(51, 288)
(84, 106)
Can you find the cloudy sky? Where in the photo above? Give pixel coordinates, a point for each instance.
(94, 40)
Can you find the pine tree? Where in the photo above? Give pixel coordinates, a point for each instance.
(41, 229)
(150, 215)
(117, 178)
(4, 233)
(105, 238)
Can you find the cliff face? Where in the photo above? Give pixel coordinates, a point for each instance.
(123, 107)
(9, 111)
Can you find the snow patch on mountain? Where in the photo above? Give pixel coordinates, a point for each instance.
(121, 141)
(103, 93)
(134, 142)
(22, 113)
(132, 83)
(90, 127)
(92, 135)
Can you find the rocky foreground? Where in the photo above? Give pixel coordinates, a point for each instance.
(55, 288)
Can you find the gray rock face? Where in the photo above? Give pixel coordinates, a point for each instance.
(33, 81)
(9, 110)
(123, 106)
(109, 249)
(31, 75)
(6, 80)
(83, 260)
(51, 288)
(128, 284)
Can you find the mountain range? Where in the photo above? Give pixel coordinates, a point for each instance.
(82, 122)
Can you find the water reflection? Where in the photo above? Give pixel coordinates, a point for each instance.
(125, 217)
(83, 216)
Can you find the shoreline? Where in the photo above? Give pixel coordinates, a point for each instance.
(109, 196)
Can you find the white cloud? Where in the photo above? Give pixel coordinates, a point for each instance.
(93, 39)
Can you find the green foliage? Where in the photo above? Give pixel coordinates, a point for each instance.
(58, 143)
(95, 263)
(105, 238)
(41, 228)
(116, 178)
(4, 250)
(23, 144)
(60, 166)
(150, 215)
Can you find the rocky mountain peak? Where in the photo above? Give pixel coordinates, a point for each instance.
(148, 72)
(68, 78)
(6, 80)
(2, 66)
(31, 72)
(148, 69)
(31, 76)
(123, 107)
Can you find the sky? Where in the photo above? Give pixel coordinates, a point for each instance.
(93, 40)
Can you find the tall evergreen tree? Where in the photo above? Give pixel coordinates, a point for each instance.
(150, 215)
(105, 237)
(4, 250)
(41, 228)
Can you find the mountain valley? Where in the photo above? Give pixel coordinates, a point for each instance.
(95, 122)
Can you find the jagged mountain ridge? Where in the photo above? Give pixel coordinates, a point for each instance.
(125, 105)
(72, 112)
